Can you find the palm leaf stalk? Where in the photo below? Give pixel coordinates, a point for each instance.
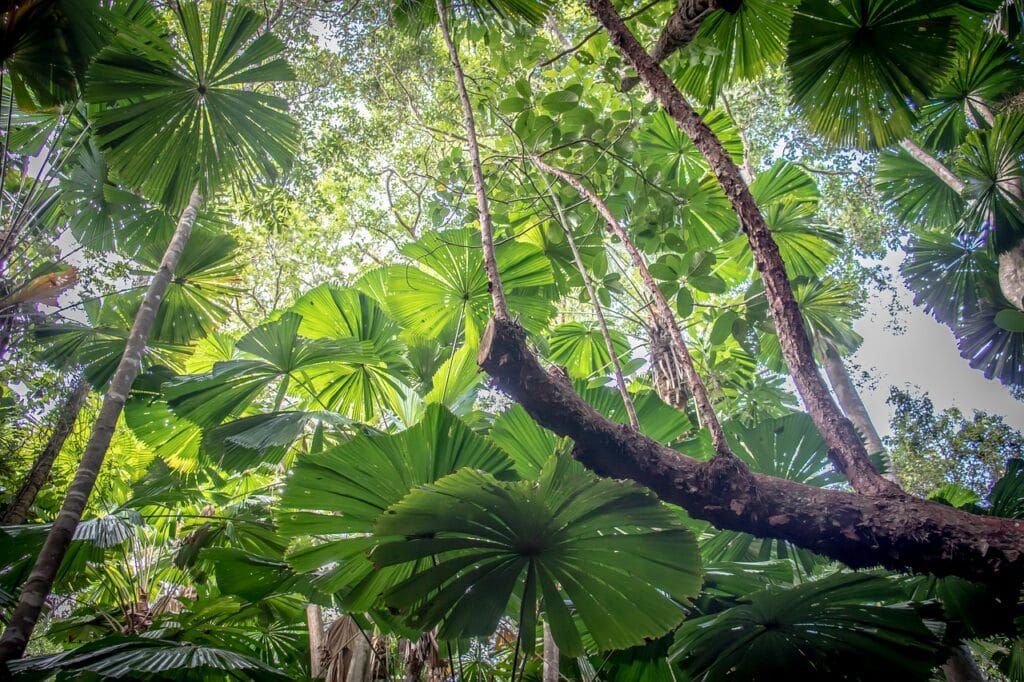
(40, 580)
(36, 477)
(849, 453)
(473, 147)
(620, 381)
(695, 383)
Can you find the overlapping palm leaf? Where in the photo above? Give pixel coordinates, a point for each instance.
(836, 628)
(568, 537)
(447, 288)
(338, 495)
(857, 66)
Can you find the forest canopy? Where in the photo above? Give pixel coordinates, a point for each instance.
(505, 340)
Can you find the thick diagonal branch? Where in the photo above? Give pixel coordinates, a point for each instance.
(845, 448)
(901, 533)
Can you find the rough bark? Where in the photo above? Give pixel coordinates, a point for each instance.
(680, 29)
(850, 400)
(483, 209)
(696, 386)
(620, 381)
(961, 666)
(1011, 275)
(315, 625)
(898, 532)
(40, 580)
(550, 656)
(667, 369)
(845, 448)
(40, 471)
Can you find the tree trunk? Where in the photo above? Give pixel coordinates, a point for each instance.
(550, 656)
(40, 471)
(934, 165)
(315, 625)
(961, 666)
(680, 29)
(484, 211)
(845, 447)
(850, 400)
(40, 580)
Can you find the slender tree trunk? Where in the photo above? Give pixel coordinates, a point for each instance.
(40, 580)
(845, 447)
(961, 666)
(484, 211)
(934, 165)
(680, 29)
(620, 381)
(550, 656)
(40, 471)
(850, 400)
(315, 625)
(705, 410)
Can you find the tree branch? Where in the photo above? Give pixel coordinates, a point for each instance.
(903, 533)
(845, 448)
(680, 29)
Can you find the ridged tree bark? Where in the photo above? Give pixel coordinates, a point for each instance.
(550, 672)
(40, 580)
(845, 447)
(961, 666)
(37, 476)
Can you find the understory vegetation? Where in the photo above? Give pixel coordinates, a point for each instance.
(505, 339)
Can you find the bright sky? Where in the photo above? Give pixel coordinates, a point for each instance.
(925, 356)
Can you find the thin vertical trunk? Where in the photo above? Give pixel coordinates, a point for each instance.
(484, 211)
(620, 381)
(845, 447)
(40, 580)
(550, 656)
(705, 410)
(40, 471)
(315, 625)
(850, 400)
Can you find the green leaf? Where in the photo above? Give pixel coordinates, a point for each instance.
(568, 536)
(582, 350)
(344, 490)
(1010, 319)
(560, 101)
(189, 116)
(858, 66)
(828, 629)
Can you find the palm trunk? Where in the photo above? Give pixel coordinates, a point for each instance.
(934, 165)
(315, 625)
(550, 656)
(666, 367)
(40, 580)
(40, 471)
(850, 400)
(845, 447)
(486, 226)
